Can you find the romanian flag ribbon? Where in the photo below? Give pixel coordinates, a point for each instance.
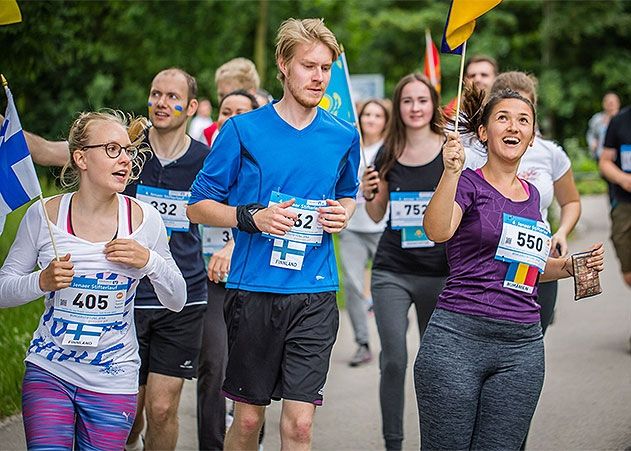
(521, 277)
(461, 22)
(432, 62)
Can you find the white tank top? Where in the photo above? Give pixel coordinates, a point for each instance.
(87, 335)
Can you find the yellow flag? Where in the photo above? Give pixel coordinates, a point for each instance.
(9, 12)
(461, 19)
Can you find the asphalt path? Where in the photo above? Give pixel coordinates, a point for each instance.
(586, 399)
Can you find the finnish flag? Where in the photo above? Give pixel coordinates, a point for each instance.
(82, 335)
(288, 254)
(19, 180)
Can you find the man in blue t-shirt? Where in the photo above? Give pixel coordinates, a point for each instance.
(284, 176)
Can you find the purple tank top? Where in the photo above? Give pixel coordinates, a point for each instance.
(476, 278)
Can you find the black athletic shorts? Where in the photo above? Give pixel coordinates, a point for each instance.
(279, 345)
(169, 342)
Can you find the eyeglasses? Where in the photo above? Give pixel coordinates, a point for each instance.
(113, 150)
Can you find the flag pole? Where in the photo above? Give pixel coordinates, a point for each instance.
(460, 79)
(350, 93)
(5, 85)
(429, 51)
(50, 230)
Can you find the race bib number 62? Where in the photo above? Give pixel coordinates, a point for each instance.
(306, 229)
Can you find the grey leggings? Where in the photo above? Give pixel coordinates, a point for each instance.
(392, 295)
(478, 381)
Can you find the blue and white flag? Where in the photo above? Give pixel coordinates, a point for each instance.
(19, 183)
(337, 99)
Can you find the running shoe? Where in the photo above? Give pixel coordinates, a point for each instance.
(363, 355)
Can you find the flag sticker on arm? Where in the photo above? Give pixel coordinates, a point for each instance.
(288, 254)
(19, 179)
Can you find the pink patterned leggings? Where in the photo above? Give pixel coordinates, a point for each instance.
(58, 414)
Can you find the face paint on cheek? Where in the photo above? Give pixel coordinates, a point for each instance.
(149, 106)
(178, 110)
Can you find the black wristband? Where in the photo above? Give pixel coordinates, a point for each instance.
(245, 217)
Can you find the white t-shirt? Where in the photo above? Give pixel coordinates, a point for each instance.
(543, 164)
(361, 222)
(197, 126)
(112, 365)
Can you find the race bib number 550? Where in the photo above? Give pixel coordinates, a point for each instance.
(524, 240)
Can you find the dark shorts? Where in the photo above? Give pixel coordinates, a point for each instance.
(169, 342)
(621, 234)
(279, 346)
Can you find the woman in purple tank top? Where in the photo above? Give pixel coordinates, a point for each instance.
(480, 369)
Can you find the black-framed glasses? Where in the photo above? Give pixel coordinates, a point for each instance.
(113, 150)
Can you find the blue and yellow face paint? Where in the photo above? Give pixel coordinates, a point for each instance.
(150, 106)
(178, 110)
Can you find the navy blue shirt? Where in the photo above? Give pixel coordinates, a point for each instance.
(619, 135)
(186, 247)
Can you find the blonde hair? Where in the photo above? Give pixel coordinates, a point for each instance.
(240, 71)
(79, 135)
(302, 31)
(517, 81)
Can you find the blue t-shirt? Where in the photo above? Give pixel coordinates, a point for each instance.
(258, 153)
(186, 246)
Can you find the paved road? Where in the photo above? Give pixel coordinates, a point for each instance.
(586, 400)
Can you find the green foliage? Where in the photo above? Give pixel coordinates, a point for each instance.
(16, 324)
(68, 56)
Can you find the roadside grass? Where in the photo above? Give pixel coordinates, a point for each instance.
(17, 323)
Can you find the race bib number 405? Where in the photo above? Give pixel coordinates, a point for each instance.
(170, 204)
(307, 229)
(87, 303)
(408, 208)
(524, 240)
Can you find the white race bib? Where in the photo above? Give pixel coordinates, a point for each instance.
(524, 240)
(408, 208)
(625, 157)
(307, 229)
(170, 204)
(214, 239)
(87, 305)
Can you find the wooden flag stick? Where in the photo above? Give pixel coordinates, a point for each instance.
(50, 229)
(460, 80)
